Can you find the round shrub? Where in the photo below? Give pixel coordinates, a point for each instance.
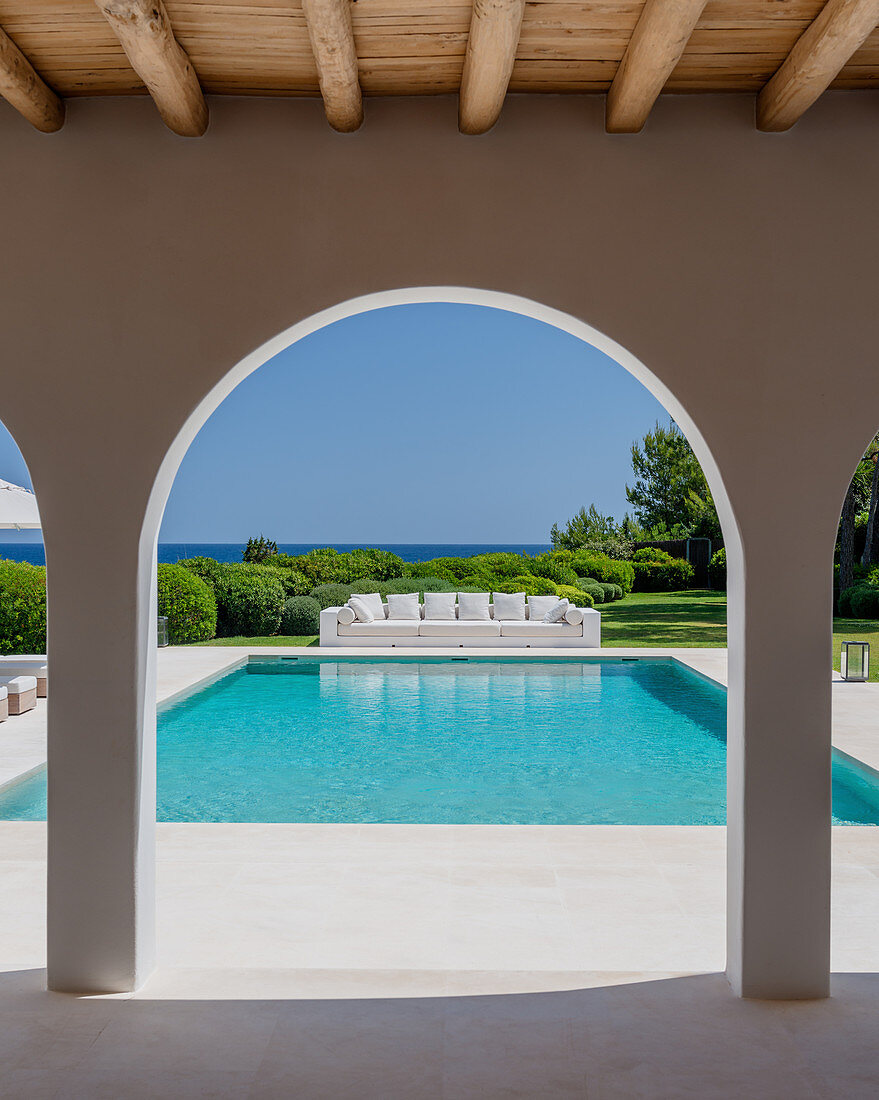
(451, 568)
(861, 601)
(617, 592)
(249, 601)
(206, 568)
(652, 553)
(717, 570)
(189, 603)
(575, 595)
(300, 616)
(593, 587)
(609, 591)
(22, 607)
(332, 595)
(604, 569)
(499, 564)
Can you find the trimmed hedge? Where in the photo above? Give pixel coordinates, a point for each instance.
(603, 569)
(207, 569)
(861, 601)
(717, 570)
(300, 616)
(499, 564)
(249, 601)
(575, 595)
(189, 603)
(663, 576)
(295, 583)
(22, 607)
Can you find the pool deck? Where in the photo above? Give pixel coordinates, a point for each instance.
(400, 961)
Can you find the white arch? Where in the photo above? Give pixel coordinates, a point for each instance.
(451, 295)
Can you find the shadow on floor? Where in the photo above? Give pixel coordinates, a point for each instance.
(676, 1037)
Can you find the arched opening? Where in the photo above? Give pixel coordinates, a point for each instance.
(581, 332)
(855, 899)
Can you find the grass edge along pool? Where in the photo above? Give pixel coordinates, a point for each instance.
(451, 740)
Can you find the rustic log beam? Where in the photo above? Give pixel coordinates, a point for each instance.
(656, 45)
(26, 91)
(491, 51)
(145, 34)
(814, 61)
(332, 43)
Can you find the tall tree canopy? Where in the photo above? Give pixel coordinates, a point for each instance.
(670, 495)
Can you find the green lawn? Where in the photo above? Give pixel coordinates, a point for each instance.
(683, 619)
(275, 639)
(698, 619)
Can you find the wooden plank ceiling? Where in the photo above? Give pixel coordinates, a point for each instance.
(419, 47)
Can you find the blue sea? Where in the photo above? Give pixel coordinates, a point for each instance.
(232, 551)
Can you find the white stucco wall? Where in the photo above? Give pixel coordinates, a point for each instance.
(737, 269)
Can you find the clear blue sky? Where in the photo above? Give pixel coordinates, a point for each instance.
(428, 423)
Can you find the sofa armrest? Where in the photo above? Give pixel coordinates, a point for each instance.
(591, 627)
(329, 626)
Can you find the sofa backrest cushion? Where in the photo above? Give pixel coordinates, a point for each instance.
(403, 606)
(473, 605)
(440, 605)
(539, 605)
(509, 605)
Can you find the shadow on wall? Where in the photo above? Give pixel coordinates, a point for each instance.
(686, 1036)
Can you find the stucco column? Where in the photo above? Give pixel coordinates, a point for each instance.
(779, 722)
(101, 818)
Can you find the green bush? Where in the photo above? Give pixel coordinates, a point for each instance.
(652, 553)
(861, 601)
(402, 585)
(328, 566)
(531, 586)
(593, 587)
(189, 603)
(300, 616)
(717, 570)
(249, 601)
(575, 595)
(452, 568)
(663, 576)
(330, 595)
(260, 550)
(22, 607)
(295, 583)
(604, 569)
(617, 593)
(555, 566)
(500, 564)
(207, 569)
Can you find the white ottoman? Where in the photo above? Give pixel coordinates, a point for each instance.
(27, 666)
(21, 692)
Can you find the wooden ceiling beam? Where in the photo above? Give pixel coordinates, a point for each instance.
(26, 91)
(658, 40)
(815, 61)
(332, 42)
(491, 51)
(145, 34)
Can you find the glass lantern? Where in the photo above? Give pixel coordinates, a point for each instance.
(163, 630)
(855, 661)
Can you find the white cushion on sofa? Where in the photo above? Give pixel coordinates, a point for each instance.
(440, 605)
(556, 614)
(473, 606)
(346, 615)
(539, 605)
(373, 601)
(445, 628)
(574, 615)
(380, 628)
(509, 606)
(404, 606)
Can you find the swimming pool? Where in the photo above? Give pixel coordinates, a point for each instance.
(466, 740)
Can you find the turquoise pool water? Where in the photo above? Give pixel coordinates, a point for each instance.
(461, 741)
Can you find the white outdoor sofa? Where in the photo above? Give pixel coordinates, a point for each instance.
(461, 633)
(31, 665)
